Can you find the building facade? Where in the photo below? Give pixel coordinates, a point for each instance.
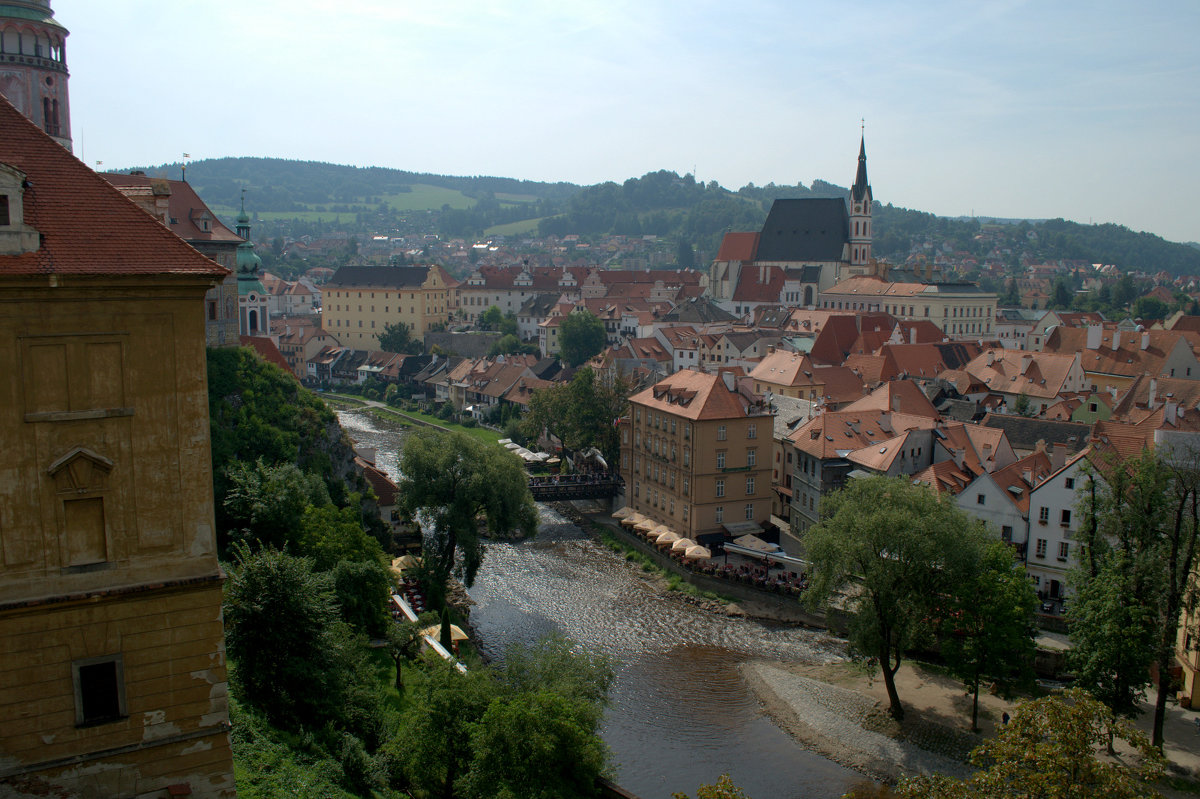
(359, 302)
(696, 454)
(112, 668)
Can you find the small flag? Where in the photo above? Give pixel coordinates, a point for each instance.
(187, 155)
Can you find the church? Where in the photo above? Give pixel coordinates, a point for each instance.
(805, 247)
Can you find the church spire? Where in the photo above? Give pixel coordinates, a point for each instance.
(860, 212)
(861, 186)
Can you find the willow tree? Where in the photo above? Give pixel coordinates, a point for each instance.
(900, 552)
(455, 482)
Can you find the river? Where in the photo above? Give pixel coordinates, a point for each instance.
(680, 713)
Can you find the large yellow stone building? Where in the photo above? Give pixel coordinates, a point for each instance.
(359, 302)
(696, 455)
(112, 666)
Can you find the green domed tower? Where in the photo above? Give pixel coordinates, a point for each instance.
(253, 314)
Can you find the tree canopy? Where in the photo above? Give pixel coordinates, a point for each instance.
(580, 414)
(396, 337)
(453, 480)
(1050, 750)
(580, 335)
(906, 551)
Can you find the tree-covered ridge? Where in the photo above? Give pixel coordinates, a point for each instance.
(324, 198)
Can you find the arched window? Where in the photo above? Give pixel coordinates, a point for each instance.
(253, 321)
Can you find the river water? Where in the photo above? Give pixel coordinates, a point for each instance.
(680, 714)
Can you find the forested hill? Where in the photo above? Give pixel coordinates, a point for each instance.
(294, 198)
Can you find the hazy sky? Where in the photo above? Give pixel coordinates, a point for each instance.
(1089, 111)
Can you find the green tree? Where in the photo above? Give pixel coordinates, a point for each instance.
(536, 745)
(1124, 292)
(1061, 296)
(362, 589)
(1051, 750)
(1011, 296)
(905, 548)
(329, 534)
(685, 255)
(580, 414)
(1150, 308)
(492, 318)
(434, 744)
(396, 337)
(506, 345)
(265, 503)
(281, 629)
(988, 630)
(581, 335)
(452, 480)
(1022, 406)
(1140, 529)
(723, 788)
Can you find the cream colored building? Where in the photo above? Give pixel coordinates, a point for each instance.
(359, 302)
(112, 657)
(696, 454)
(961, 310)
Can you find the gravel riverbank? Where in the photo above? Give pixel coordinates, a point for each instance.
(844, 725)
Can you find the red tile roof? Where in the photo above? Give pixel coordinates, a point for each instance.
(87, 226)
(185, 208)
(693, 395)
(738, 247)
(266, 350)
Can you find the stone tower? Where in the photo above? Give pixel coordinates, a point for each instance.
(860, 213)
(33, 65)
(253, 314)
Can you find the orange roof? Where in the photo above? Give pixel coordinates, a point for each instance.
(896, 395)
(266, 350)
(943, 477)
(1038, 374)
(738, 247)
(784, 368)
(184, 207)
(1012, 478)
(694, 395)
(87, 227)
(835, 434)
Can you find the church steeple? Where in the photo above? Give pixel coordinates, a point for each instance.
(253, 312)
(860, 211)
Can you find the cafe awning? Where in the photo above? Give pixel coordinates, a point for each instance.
(622, 513)
(682, 545)
(697, 552)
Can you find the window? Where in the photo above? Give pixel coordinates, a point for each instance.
(752, 430)
(99, 690)
(751, 458)
(749, 511)
(685, 511)
(980, 499)
(687, 429)
(720, 514)
(1043, 515)
(1006, 534)
(637, 489)
(687, 456)
(4, 214)
(625, 460)
(672, 507)
(1041, 548)
(637, 438)
(750, 485)
(1064, 550)
(672, 426)
(720, 492)
(1069, 483)
(1065, 519)
(686, 485)
(625, 436)
(721, 459)
(721, 433)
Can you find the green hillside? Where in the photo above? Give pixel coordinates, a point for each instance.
(297, 198)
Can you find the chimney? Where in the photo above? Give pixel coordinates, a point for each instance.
(1153, 394)
(1094, 334)
(1146, 340)
(896, 404)
(1116, 340)
(960, 457)
(912, 335)
(1040, 446)
(1058, 455)
(1169, 410)
(991, 357)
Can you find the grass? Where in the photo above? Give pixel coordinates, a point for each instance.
(514, 228)
(427, 198)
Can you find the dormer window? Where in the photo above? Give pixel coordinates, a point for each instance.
(4, 210)
(16, 237)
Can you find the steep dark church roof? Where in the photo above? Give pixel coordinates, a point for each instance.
(809, 229)
(698, 309)
(861, 187)
(397, 277)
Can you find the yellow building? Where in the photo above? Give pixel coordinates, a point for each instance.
(960, 310)
(696, 454)
(112, 668)
(359, 302)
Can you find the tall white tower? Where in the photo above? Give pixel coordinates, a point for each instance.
(33, 65)
(860, 214)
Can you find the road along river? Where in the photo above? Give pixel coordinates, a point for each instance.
(681, 715)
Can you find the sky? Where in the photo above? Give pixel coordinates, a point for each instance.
(1088, 111)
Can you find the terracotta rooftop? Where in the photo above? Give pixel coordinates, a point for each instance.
(86, 226)
(185, 209)
(694, 395)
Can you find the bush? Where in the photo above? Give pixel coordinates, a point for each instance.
(470, 422)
